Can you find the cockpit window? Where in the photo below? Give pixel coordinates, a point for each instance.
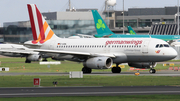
(166, 45)
(161, 45)
(157, 45)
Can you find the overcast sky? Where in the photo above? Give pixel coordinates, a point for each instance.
(16, 10)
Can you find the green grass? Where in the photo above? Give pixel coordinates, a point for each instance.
(46, 81)
(100, 98)
(18, 65)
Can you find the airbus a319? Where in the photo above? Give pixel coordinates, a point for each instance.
(98, 53)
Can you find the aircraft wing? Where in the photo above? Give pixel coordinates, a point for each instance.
(19, 51)
(73, 53)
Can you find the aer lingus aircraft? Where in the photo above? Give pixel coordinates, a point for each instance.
(104, 31)
(99, 53)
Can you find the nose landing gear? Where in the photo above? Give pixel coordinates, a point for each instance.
(152, 71)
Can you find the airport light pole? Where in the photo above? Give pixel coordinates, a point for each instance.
(123, 16)
(178, 16)
(108, 15)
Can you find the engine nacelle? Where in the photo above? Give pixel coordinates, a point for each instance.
(98, 63)
(142, 64)
(33, 57)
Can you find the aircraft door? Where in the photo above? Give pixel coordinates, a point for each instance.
(145, 47)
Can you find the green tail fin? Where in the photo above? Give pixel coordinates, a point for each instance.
(101, 27)
(131, 31)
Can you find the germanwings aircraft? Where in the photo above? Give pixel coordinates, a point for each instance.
(104, 31)
(98, 53)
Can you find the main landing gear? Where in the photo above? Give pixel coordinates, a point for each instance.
(44, 60)
(86, 70)
(116, 69)
(27, 61)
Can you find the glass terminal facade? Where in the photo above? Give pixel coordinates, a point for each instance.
(19, 32)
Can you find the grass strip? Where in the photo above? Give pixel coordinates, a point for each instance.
(46, 81)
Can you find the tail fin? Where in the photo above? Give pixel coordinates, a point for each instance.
(40, 29)
(131, 31)
(101, 27)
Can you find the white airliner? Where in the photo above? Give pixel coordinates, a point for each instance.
(15, 50)
(98, 53)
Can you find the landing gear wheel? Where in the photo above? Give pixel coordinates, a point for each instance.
(44, 60)
(27, 61)
(152, 71)
(116, 70)
(86, 70)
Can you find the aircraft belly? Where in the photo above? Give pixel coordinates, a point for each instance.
(147, 58)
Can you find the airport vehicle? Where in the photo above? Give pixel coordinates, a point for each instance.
(104, 31)
(100, 53)
(14, 50)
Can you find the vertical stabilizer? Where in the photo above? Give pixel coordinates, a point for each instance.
(101, 27)
(131, 31)
(40, 29)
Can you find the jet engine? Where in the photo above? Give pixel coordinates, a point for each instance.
(33, 57)
(142, 64)
(98, 63)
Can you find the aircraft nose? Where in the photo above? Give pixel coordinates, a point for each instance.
(173, 53)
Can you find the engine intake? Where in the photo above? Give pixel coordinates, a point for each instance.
(142, 64)
(98, 63)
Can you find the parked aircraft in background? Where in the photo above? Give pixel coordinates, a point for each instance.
(176, 42)
(131, 31)
(104, 31)
(99, 53)
(14, 50)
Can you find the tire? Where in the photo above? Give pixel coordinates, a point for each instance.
(116, 70)
(152, 71)
(86, 70)
(27, 61)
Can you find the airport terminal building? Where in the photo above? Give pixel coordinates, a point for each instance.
(65, 24)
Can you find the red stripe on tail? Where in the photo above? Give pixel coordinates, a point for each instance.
(32, 24)
(40, 22)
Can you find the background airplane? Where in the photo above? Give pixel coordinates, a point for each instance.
(104, 31)
(14, 50)
(101, 53)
